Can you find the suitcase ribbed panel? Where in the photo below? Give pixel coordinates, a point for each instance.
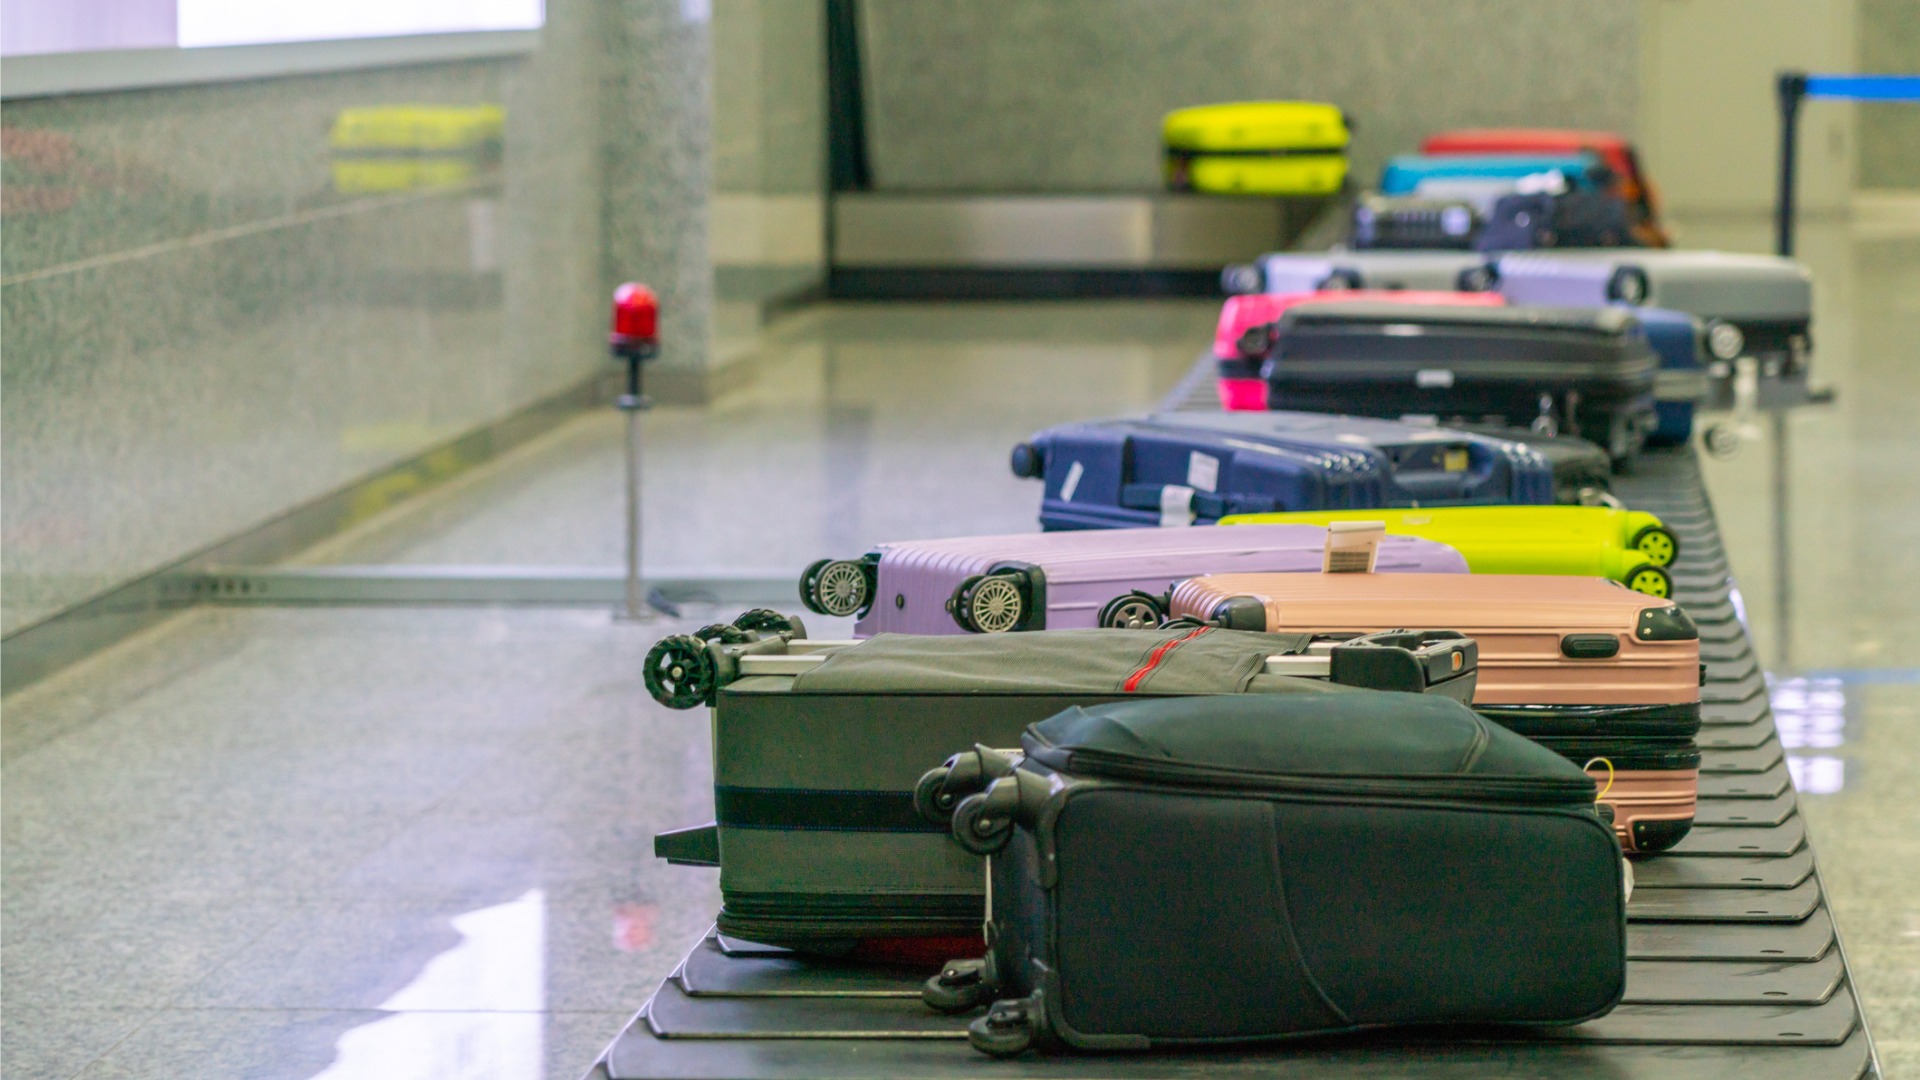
(1519, 622)
(1083, 570)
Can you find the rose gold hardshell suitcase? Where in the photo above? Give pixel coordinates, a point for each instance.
(1582, 665)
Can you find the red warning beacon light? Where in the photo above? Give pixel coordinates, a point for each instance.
(636, 321)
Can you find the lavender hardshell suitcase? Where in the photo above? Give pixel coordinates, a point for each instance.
(1063, 580)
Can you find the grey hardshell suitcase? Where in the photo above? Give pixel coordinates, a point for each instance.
(1217, 870)
(818, 748)
(1752, 305)
(1292, 272)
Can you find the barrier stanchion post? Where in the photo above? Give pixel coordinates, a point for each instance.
(1791, 87)
(635, 339)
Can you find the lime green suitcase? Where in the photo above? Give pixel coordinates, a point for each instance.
(1257, 148)
(1628, 546)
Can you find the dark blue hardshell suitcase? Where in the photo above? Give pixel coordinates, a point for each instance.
(1195, 468)
(1679, 340)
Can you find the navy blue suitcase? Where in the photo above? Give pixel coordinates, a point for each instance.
(1195, 468)
(1679, 339)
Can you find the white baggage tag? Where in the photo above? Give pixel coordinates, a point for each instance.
(1433, 378)
(1176, 506)
(1353, 546)
(1203, 471)
(1072, 482)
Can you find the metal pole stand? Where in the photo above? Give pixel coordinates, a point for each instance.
(635, 339)
(634, 605)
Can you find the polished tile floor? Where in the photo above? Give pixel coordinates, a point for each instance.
(416, 842)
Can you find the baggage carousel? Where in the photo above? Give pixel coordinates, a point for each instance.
(1735, 967)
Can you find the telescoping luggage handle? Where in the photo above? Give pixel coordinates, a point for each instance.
(687, 670)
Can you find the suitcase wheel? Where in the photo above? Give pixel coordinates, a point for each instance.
(1006, 1030)
(961, 986)
(724, 633)
(983, 823)
(1725, 341)
(1657, 543)
(679, 673)
(1628, 285)
(1134, 611)
(1026, 462)
(769, 621)
(1482, 278)
(1240, 279)
(837, 587)
(1649, 836)
(990, 604)
(1651, 580)
(1340, 278)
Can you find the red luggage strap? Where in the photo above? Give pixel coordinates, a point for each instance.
(1153, 661)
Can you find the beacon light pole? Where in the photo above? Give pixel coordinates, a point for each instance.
(636, 340)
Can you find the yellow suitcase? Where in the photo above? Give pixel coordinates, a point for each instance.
(1628, 546)
(403, 147)
(1257, 148)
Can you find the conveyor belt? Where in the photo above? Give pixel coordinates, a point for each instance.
(1735, 969)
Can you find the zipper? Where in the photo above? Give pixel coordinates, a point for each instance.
(1153, 659)
(1447, 787)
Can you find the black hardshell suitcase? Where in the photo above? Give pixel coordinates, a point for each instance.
(1578, 371)
(1230, 870)
(819, 746)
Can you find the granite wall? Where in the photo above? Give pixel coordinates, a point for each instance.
(769, 149)
(1067, 95)
(199, 329)
(1890, 132)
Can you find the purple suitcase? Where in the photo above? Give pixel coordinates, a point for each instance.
(1064, 580)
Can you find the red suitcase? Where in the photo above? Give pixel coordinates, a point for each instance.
(1614, 150)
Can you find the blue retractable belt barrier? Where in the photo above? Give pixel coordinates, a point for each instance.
(1795, 86)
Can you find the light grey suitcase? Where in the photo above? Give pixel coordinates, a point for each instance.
(1752, 305)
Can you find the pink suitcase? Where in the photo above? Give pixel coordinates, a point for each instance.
(1243, 336)
(1064, 580)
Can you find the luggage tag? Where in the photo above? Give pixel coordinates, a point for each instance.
(1353, 546)
(1176, 506)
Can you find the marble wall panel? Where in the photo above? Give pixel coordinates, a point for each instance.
(1009, 95)
(199, 331)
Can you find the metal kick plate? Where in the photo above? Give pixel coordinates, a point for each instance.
(1802, 942)
(709, 972)
(1755, 841)
(1722, 872)
(1724, 905)
(1766, 784)
(1684, 982)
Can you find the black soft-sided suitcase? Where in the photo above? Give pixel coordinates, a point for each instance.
(818, 747)
(1221, 870)
(1578, 371)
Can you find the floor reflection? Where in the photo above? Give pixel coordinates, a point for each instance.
(474, 1012)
